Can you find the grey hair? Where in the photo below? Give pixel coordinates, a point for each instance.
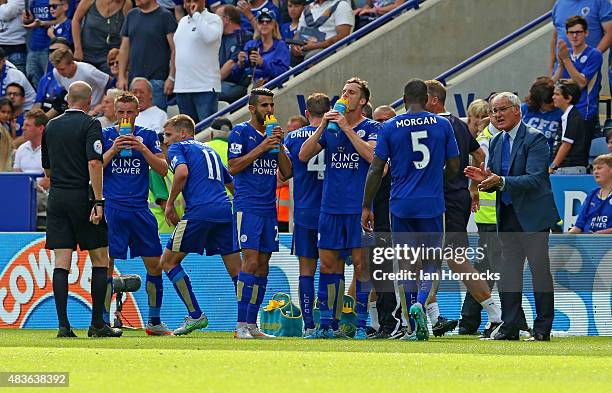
(511, 97)
(79, 91)
(141, 79)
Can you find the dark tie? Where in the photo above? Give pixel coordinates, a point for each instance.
(505, 166)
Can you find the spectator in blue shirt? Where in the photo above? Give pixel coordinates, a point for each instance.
(63, 25)
(265, 57)
(596, 211)
(38, 19)
(582, 64)
(539, 112)
(251, 9)
(294, 9)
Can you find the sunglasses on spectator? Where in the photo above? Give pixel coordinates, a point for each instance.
(264, 21)
(55, 6)
(113, 63)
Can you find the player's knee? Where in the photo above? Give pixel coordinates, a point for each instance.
(249, 265)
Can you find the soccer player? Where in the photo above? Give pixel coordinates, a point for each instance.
(348, 153)
(423, 150)
(207, 224)
(255, 166)
(307, 190)
(130, 222)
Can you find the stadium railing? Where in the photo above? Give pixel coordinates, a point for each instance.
(485, 52)
(278, 81)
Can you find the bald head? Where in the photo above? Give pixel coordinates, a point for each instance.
(383, 113)
(79, 95)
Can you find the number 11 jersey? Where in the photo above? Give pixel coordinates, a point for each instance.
(418, 145)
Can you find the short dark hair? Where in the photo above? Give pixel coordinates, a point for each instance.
(222, 124)
(63, 41)
(317, 104)
(181, 123)
(367, 110)
(5, 101)
(17, 85)
(363, 86)
(39, 116)
(260, 91)
(436, 89)
(568, 88)
(576, 20)
(232, 12)
(540, 92)
(415, 91)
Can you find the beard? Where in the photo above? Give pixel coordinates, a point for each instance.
(260, 117)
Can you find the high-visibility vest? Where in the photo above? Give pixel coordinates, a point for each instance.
(282, 202)
(162, 225)
(487, 214)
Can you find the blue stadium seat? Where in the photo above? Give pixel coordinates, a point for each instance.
(599, 146)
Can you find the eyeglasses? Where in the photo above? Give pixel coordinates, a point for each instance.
(13, 94)
(575, 32)
(55, 6)
(495, 111)
(113, 63)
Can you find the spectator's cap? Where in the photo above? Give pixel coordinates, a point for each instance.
(298, 2)
(266, 15)
(222, 124)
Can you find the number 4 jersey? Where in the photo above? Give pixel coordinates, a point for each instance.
(204, 192)
(418, 145)
(307, 179)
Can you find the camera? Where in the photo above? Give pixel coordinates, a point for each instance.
(122, 284)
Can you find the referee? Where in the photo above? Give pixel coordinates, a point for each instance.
(72, 158)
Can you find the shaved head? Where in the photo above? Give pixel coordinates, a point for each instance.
(384, 112)
(79, 92)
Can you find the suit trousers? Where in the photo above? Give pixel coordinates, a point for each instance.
(516, 246)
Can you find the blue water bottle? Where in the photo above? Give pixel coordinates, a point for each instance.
(270, 123)
(339, 106)
(125, 128)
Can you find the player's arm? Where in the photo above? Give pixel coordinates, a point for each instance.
(365, 149)
(118, 144)
(284, 162)
(375, 174)
(156, 161)
(181, 172)
(311, 146)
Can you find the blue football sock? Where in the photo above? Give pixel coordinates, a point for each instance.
(235, 282)
(182, 285)
(306, 291)
(425, 285)
(155, 293)
(253, 308)
(361, 307)
(244, 294)
(107, 300)
(327, 298)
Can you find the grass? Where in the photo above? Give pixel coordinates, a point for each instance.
(215, 362)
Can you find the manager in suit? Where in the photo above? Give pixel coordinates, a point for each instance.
(518, 170)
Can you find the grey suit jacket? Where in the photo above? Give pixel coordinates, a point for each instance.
(528, 182)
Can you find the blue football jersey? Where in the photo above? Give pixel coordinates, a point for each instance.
(588, 63)
(307, 178)
(547, 122)
(254, 186)
(595, 214)
(345, 169)
(126, 179)
(418, 145)
(204, 192)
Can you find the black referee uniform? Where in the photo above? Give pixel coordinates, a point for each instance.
(69, 142)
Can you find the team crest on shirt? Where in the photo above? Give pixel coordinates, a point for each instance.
(235, 148)
(243, 238)
(97, 146)
(585, 11)
(341, 149)
(583, 59)
(361, 133)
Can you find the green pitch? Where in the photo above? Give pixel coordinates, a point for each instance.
(215, 362)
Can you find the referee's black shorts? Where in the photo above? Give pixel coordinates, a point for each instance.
(456, 217)
(68, 224)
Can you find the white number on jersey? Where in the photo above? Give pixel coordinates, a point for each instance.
(317, 164)
(210, 157)
(417, 146)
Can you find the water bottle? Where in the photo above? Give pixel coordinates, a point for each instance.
(270, 123)
(125, 128)
(339, 106)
